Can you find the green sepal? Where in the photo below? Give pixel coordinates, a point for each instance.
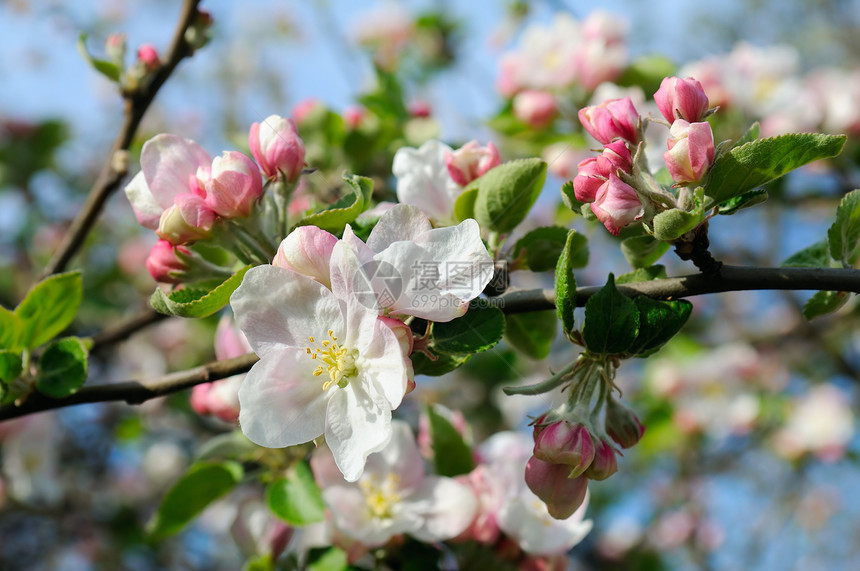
(824, 302)
(531, 333)
(659, 321)
(844, 234)
(63, 367)
(48, 308)
(643, 251)
(611, 321)
(335, 218)
(451, 455)
(758, 162)
(296, 498)
(195, 302)
(204, 483)
(507, 192)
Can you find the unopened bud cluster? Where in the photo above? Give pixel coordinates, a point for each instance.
(617, 184)
(570, 446)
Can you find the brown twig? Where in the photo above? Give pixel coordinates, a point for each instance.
(116, 166)
(125, 329)
(730, 278)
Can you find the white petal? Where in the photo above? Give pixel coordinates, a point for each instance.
(423, 180)
(168, 162)
(400, 457)
(146, 209)
(276, 307)
(401, 222)
(357, 425)
(281, 402)
(349, 271)
(382, 365)
(446, 507)
(525, 518)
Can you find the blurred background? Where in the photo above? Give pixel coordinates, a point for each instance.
(750, 458)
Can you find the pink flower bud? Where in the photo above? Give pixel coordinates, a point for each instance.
(616, 204)
(305, 108)
(189, 219)
(307, 250)
(420, 109)
(622, 425)
(681, 99)
(277, 147)
(563, 442)
(471, 161)
(691, 151)
(604, 464)
(536, 108)
(612, 119)
(594, 171)
(115, 46)
(163, 263)
(552, 484)
(148, 56)
(354, 115)
(234, 185)
(230, 341)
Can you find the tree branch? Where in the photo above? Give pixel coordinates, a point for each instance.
(728, 278)
(116, 166)
(135, 392)
(125, 329)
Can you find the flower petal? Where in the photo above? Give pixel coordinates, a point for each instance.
(401, 222)
(146, 208)
(446, 507)
(358, 424)
(281, 402)
(168, 162)
(276, 307)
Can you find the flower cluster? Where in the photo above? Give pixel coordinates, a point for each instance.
(617, 184)
(185, 195)
(326, 320)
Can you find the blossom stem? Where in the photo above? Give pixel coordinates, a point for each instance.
(547, 385)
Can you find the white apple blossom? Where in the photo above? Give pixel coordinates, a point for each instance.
(820, 422)
(423, 180)
(407, 267)
(394, 496)
(327, 366)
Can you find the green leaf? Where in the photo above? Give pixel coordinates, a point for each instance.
(643, 251)
(507, 192)
(532, 333)
(327, 559)
(574, 255)
(642, 275)
(10, 366)
(464, 207)
(815, 256)
(673, 223)
(659, 321)
(451, 454)
(751, 135)
(335, 218)
(824, 302)
(745, 200)
(569, 198)
(230, 446)
(477, 330)
(758, 162)
(107, 68)
(647, 72)
(200, 486)
(192, 302)
(611, 320)
(844, 233)
(296, 499)
(49, 308)
(423, 365)
(10, 329)
(63, 367)
(542, 247)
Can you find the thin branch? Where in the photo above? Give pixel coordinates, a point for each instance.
(729, 278)
(135, 392)
(116, 166)
(125, 329)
